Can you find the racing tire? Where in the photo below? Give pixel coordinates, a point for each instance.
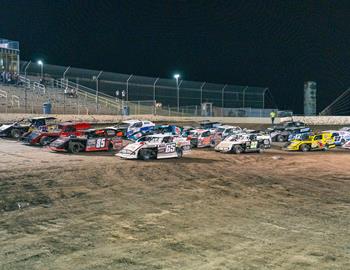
(342, 142)
(75, 148)
(45, 140)
(280, 138)
(179, 152)
(326, 148)
(110, 147)
(147, 154)
(16, 133)
(261, 148)
(194, 144)
(305, 148)
(237, 149)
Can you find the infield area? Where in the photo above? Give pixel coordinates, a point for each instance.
(274, 210)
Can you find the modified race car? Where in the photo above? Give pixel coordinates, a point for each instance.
(281, 132)
(323, 141)
(157, 146)
(105, 139)
(45, 137)
(132, 127)
(340, 136)
(241, 143)
(17, 129)
(199, 137)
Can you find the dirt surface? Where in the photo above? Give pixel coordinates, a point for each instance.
(274, 210)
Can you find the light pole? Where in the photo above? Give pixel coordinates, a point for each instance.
(201, 101)
(127, 88)
(41, 64)
(177, 76)
(97, 88)
(222, 99)
(154, 96)
(25, 70)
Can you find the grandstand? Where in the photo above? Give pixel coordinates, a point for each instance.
(159, 95)
(76, 91)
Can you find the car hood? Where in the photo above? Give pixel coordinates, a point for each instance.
(4, 127)
(133, 146)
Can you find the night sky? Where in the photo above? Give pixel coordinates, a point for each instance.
(277, 44)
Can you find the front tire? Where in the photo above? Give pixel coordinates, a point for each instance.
(147, 154)
(16, 133)
(75, 148)
(45, 141)
(326, 147)
(280, 138)
(179, 152)
(237, 149)
(305, 148)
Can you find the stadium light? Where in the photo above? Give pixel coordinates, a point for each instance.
(41, 64)
(177, 76)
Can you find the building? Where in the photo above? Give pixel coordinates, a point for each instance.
(9, 55)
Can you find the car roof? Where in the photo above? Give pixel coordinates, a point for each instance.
(43, 118)
(131, 121)
(159, 135)
(73, 123)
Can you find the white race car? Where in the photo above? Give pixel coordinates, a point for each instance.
(156, 147)
(340, 136)
(241, 143)
(131, 127)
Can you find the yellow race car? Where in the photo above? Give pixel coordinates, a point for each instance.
(323, 141)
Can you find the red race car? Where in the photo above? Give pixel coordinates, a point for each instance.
(46, 136)
(104, 139)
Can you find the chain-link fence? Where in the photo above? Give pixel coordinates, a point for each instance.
(156, 92)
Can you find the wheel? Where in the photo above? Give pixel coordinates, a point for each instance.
(45, 140)
(261, 148)
(16, 133)
(194, 143)
(147, 154)
(110, 147)
(342, 141)
(237, 149)
(280, 138)
(75, 148)
(179, 152)
(326, 147)
(305, 148)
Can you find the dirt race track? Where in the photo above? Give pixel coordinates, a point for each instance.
(274, 210)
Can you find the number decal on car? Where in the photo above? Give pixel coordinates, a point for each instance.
(170, 148)
(100, 143)
(253, 144)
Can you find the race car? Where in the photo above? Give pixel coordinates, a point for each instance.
(340, 136)
(346, 145)
(104, 139)
(48, 135)
(131, 127)
(240, 143)
(288, 125)
(17, 129)
(199, 137)
(156, 146)
(284, 135)
(323, 141)
(299, 133)
(222, 132)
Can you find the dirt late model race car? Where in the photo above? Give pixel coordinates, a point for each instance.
(17, 129)
(46, 136)
(242, 143)
(323, 141)
(157, 146)
(198, 137)
(91, 140)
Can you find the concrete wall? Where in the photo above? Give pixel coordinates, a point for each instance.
(11, 117)
(320, 120)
